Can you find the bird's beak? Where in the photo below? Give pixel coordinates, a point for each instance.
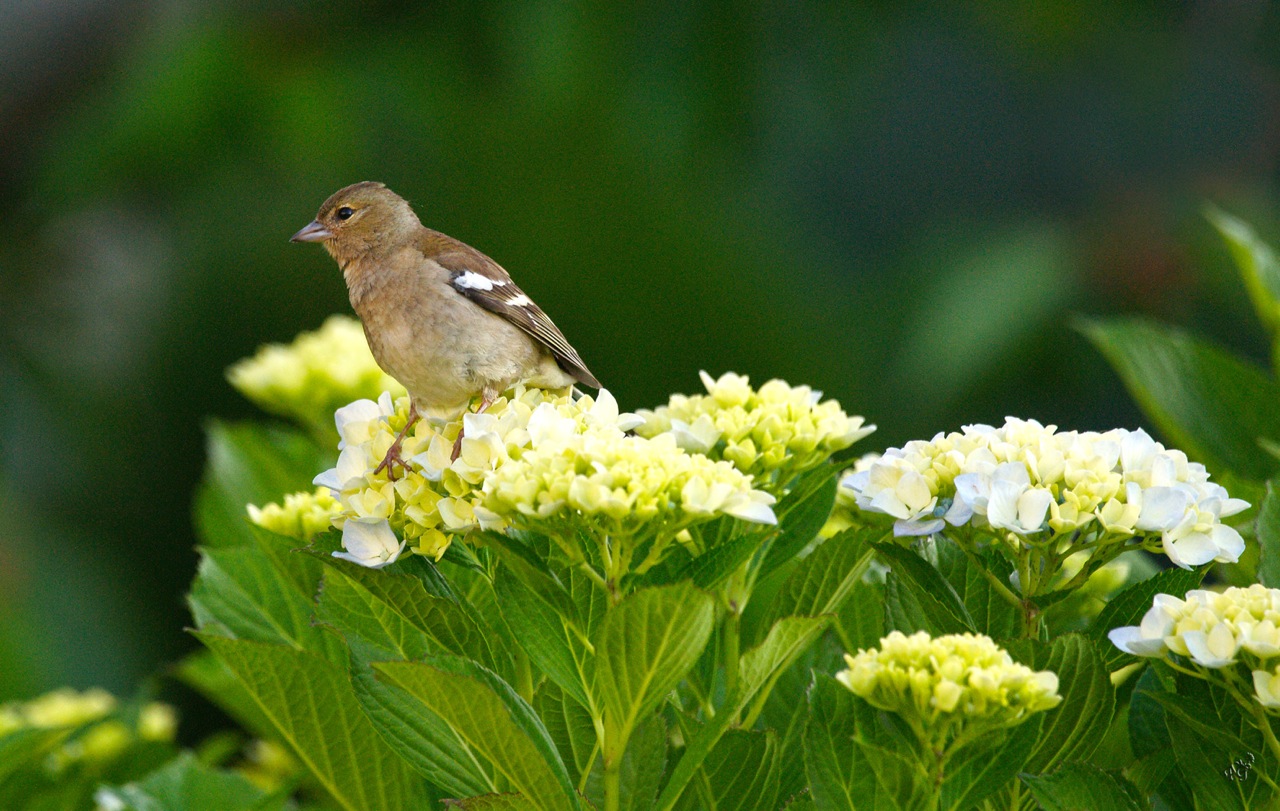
(313, 232)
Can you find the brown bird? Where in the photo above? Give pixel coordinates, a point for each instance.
(441, 317)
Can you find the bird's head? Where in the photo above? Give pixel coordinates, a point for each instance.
(358, 219)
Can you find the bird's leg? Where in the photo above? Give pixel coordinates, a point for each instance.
(487, 396)
(393, 453)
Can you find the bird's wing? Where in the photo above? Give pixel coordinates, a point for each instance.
(483, 281)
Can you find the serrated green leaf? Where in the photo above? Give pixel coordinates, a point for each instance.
(1203, 762)
(486, 713)
(310, 703)
(761, 666)
(739, 774)
(714, 567)
(992, 614)
(821, 582)
(645, 646)
(423, 739)
(1073, 729)
(801, 515)
(940, 607)
(988, 765)
(860, 621)
(548, 638)
(185, 784)
(1081, 786)
(1129, 606)
(250, 463)
(1207, 402)
(850, 763)
(571, 729)
(1257, 263)
(240, 589)
(404, 599)
(1269, 537)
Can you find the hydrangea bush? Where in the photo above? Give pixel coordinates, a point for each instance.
(715, 603)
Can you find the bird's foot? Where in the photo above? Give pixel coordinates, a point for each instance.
(390, 461)
(457, 448)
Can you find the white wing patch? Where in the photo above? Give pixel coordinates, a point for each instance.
(519, 301)
(470, 280)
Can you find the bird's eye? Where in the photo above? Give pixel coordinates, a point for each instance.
(345, 213)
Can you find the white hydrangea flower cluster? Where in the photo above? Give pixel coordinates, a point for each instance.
(311, 377)
(772, 434)
(1025, 478)
(301, 515)
(433, 498)
(944, 682)
(1214, 630)
(532, 455)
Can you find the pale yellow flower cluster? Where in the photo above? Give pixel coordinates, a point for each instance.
(532, 457)
(771, 434)
(1025, 478)
(311, 377)
(943, 683)
(302, 515)
(1214, 630)
(104, 738)
(626, 486)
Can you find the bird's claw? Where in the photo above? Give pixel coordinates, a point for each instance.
(390, 461)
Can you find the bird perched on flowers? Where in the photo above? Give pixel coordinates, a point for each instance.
(441, 317)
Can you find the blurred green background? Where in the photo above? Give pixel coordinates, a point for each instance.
(902, 205)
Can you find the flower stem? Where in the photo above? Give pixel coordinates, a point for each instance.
(613, 784)
(729, 650)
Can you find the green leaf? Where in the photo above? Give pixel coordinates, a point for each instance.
(1257, 264)
(310, 703)
(645, 646)
(185, 784)
(988, 765)
(992, 614)
(641, 770)
(493, 720)
(850, 760)
(493, 802)
(940, 607)
(714, 567)
(249, 463)
(1079, 785)
(1207, 402)
(425, 740)
(525, 563)
(1269, 537)
(860, 621)
(1129, 606)
(740, 774)
(761, 666)
(1203, 759)
(242, 590)
(208, 676)
(549, 638)
(1073, 729)
(801, 515)
(23, 746)
(571, 729)
(395, 599)
(821, 582)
